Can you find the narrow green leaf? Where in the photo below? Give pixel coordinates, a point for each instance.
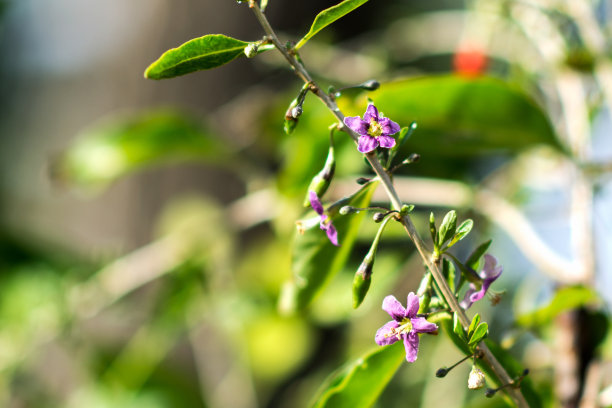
(124, 144)
(458, 328)
(449, 271)
(359, 383)
(448, 227)
(315, 260)
(432, 229)
(481, 331)
(473, 325)
(474, 258)
(462, 231)
(207, 52)
(328, 16)
(565, 299)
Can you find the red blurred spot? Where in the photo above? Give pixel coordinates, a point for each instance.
(470, 62)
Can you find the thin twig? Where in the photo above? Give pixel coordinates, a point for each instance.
(396, 204)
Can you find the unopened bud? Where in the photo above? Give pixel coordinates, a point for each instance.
(378, 217)
(476, 379)
(490, 392)
(441, 372)
(251, 50)
(320, 183)
(297, 112)
(362, 180)
(370, 85)
(347, 209)
(406, 209)
(362, 280)
(413, 158)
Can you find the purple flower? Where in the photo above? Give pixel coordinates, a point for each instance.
(406, 325)
(374, 130)
(491, 271)
(326, 222)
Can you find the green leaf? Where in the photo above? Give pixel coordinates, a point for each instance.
(123, 144)
(565, 299)
(206, 52)
(315, 260)
(449, 271)
(328, 16)
(458, 328)
(473, 324)
(474, 258)
(360, 382)
(481, 331)
(462, 231)
(460, 116)
(448, 227)
(432, 229)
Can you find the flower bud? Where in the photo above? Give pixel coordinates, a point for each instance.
(378, 217)
(320, 183)
(476, 379)
(297, 112)
(370, 85)
(362, 280)
(362, 180)
(250, 50)
(347, 209)
(413, 158)
(441, 372)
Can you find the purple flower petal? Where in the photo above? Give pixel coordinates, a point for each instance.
(412, 305)
(315, 203)
(389, 127)
(395, 309)
(385, 335)
(370, 113)
(386, 141)
(367, 144)
(332, 234)
(491, 270)
(421, 325)
(357, 125)
(411, 344)
(467, 302)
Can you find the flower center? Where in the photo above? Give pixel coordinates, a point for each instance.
(404, 327)
(375, 128)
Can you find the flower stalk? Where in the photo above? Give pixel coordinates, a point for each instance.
(385, 179)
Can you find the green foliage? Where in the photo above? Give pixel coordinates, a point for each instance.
(448, 228)
(117, 147)
(480, 332)
(460, 116)
(463, 229)
(315, 260)
(359, 383)
(207, 52)
(565, 299)
(474, 258)
(328, 16)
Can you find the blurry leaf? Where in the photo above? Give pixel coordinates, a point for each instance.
(565, 299)
(432, 228)
(117, 147)
(474, 258)
(263, 5)
(465, 116)
(328, 16)
(462, 231)
(198, 54)
(449, 271)
(315, 259)
(448, 227)
(359, 383)
(481, 331)
(475, 322)
(458, 328)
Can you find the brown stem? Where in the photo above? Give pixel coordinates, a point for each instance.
(396, 204)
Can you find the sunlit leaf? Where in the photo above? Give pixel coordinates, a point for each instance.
(447, 228)
(121, 145)
(565, 299)
(460, 116)
(481, 331)
(328, 16)
(359, 384)
(462, 230)
(475, 322)
(207, 52)
(315, 259)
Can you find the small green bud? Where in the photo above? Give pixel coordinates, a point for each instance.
(432, 229)
(320, 183)
(362, 180)
(370, 85)
(490, 392)
(289, 125)
(347, 209)
(413, 158)
(406, 209)
(362, 280)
